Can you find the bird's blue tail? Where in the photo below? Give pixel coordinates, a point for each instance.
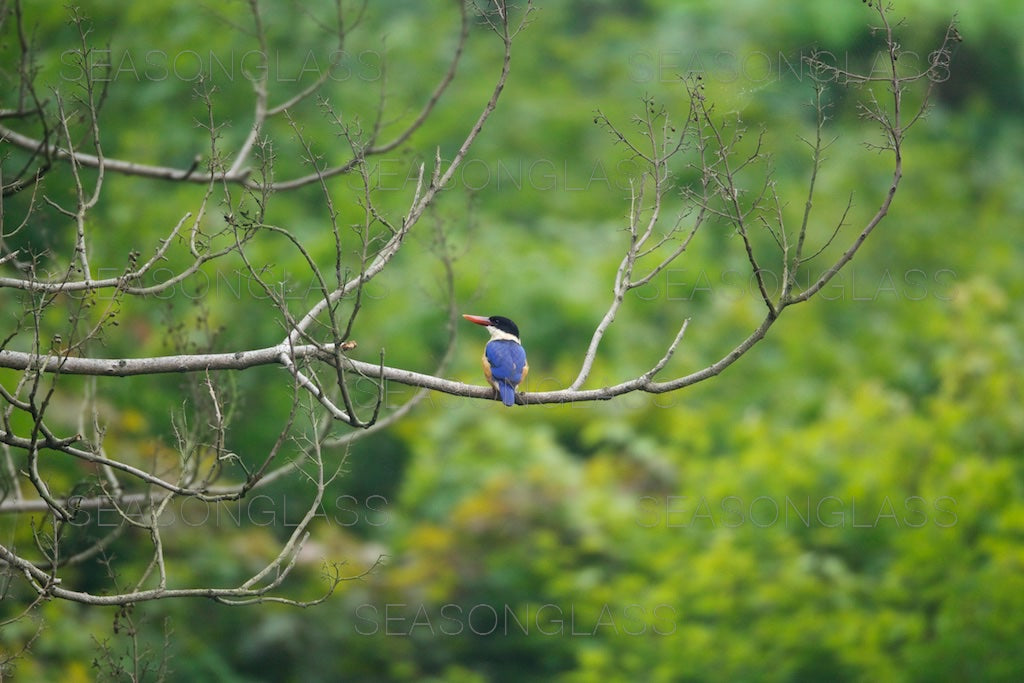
(508, 393)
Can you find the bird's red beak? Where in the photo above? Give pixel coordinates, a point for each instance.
(478, 319)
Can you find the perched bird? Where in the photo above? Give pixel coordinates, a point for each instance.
(504, 357)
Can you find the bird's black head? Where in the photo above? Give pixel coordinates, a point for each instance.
(504, 324)
(495, 322)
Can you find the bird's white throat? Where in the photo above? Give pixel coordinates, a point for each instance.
(500, 334)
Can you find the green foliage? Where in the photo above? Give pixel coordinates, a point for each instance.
(843, 504)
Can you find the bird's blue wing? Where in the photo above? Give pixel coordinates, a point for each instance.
(507, 360)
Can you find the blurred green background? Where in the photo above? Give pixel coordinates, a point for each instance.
(844, 503)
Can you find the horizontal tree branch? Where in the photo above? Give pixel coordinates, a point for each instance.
(242, 360)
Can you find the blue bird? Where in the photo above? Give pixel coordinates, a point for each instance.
(504, 359)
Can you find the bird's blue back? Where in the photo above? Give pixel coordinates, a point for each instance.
(507, 360)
